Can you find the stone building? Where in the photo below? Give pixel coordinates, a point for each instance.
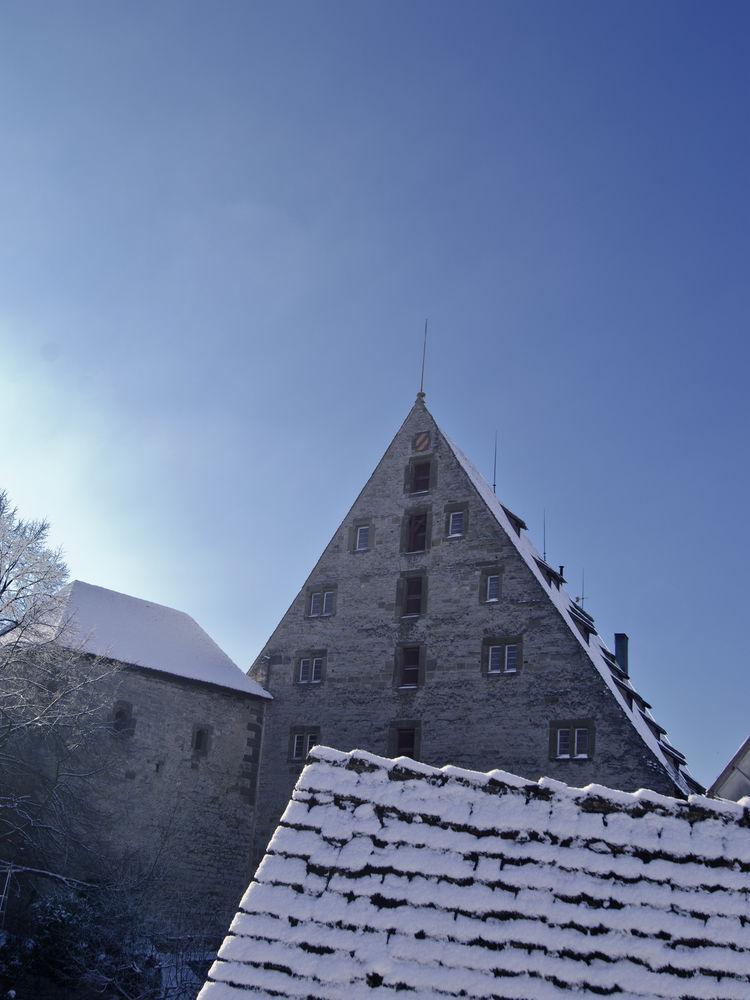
(175, 790)
(431, 628)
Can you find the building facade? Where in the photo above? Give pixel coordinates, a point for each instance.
(170, 801)
(431, 628)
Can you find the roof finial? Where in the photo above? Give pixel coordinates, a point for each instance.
(420, 394)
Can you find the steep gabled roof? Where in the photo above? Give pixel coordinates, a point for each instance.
(394, 876)
(583, 628)
(107, 623)
(734, 779)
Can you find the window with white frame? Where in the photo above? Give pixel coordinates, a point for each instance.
(310, 670)
(302, 740)
(572, 739)
(362, 540)
(492, 587)
(455, 524)
(503, 659)
(322, 603)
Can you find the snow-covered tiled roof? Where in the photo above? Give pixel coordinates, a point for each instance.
(107, 623)
(593, 645)
(397, 877)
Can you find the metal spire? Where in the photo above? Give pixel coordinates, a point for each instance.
(420, 394)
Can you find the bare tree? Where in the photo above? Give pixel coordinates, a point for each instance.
(50, 705)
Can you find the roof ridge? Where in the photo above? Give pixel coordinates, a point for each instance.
(562, 601)
(496, 780)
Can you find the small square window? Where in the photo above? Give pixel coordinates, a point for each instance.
(456, 524)
(572, 739)
(322, 603)
(303, 739)
(310, 670)
(492, 587)
(405, 738)
(500, 656)
(362, 542)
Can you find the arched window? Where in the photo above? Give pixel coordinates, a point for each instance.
(201, 740)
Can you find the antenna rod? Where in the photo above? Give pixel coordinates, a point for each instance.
(424, 355)
(544, 535)
(494, 468)
(583, 587)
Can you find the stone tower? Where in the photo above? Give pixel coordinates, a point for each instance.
(430, 627)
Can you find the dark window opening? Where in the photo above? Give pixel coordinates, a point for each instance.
(413, 591)
(420, 477)
(406, 742)
(122, 718)
(409, 673)
(200, 740)
(416, 533)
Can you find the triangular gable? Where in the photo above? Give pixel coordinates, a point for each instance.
(601, 658)
(394, 876)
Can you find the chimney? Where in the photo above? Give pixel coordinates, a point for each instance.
(562, 571)
(621, 651)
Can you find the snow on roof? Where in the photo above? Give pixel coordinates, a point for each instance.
(392, 875)
(734, 779)
(594, 648)
(145, 634)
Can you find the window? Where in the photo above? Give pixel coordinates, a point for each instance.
(420, 475)
(310, 670)
(455, 524)
(409, 662)
(412, 595)
(492, 587)
(416, 532)
(123, 722)
(322, 603)
(405, 739)
(572, 739)
(503, 659)
(362, 542)
(502, 656)
(201, 740)
(301, 741)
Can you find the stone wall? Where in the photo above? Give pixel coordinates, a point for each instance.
(467, 717)
(174, 813)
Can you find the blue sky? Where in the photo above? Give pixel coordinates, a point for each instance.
(224, 224)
